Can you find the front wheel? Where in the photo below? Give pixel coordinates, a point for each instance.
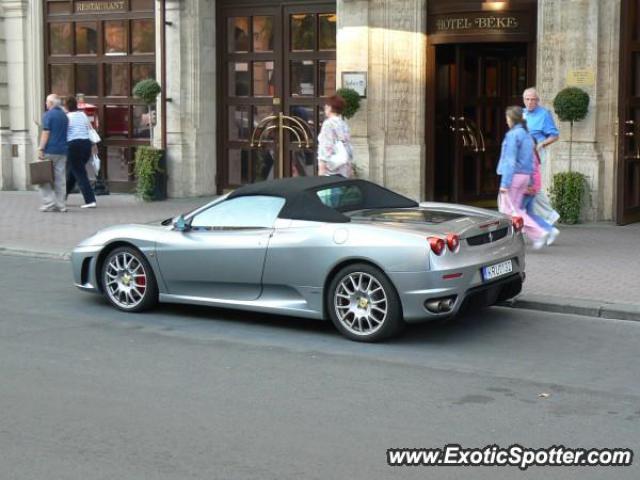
(128, 280)
(363, 304)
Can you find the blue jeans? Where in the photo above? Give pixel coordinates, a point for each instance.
(527, 205)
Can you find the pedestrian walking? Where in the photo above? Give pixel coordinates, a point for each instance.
(80, 151)
(53, 146)
(335, 153)
(529, 200)
(516, 168)
(544, 131)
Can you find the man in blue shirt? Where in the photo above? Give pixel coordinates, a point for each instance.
(53, 146)
(543, 129)
(540, 122)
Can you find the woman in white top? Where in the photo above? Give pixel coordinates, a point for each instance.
(80, 150)
(334, 129)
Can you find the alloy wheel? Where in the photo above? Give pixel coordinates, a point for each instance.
(361, 303)
(125, 280)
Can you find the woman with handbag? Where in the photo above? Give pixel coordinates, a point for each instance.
(516, 166)
(335, 154)
(81, 147)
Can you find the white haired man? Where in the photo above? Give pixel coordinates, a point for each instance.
(543, 129)
(53, 146)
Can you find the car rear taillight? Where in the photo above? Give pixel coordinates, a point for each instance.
(453, 242)
(437, 245)
(518, 223)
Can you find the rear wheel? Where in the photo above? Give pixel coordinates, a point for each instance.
(128, 280)
(363, 304)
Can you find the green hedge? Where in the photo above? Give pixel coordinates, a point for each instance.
(567, 194)
(147, 166)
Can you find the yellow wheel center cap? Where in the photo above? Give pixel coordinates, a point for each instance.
(363, 302)
(126, 279)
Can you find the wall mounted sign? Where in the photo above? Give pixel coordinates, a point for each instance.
(101, 6)
(581, 78)
(356, 81)
(479, 23)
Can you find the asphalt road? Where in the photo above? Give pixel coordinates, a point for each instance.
(87, 392)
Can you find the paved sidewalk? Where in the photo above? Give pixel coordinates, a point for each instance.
(25, 229)
(591, 269)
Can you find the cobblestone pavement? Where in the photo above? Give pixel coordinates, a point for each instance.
(24, 227)
(598, 262)
(595, 262)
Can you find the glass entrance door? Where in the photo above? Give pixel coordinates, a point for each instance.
(475, 84)
(276, 59)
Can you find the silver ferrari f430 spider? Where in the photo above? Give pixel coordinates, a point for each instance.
(348, 250)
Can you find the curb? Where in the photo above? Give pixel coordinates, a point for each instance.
(20, 252)
(577, 306)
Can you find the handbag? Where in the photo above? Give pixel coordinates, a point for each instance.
(505, 205)
(93, 135)
(339, 158)
(41, 172)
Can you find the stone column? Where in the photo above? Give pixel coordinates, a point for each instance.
(397, 56)
(572, 36)
(6, 170)
(16, 34)
(353, 56)
(191, 86)
(387, 39)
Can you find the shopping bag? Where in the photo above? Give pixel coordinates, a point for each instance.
(95, 163)
(41, 172)
(339, 158)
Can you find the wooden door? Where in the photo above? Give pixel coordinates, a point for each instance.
(475, 84)
(276, 58)
(628, 162)
(251, 90)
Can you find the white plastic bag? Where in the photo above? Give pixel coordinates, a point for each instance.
(339, 158)
(95, 163)
(93, 136)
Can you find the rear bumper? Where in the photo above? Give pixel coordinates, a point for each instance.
(469, 289)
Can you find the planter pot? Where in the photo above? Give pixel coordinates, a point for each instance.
(160, 190)
(157, 189)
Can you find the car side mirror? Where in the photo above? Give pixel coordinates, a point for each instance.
(181, 225)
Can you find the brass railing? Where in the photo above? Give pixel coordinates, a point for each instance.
(472, 136)
(281, 123)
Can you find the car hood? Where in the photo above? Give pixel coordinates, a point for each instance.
(143, 232)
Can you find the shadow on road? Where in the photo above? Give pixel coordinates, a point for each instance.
(469, 326)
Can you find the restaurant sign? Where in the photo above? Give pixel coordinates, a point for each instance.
(101, 6)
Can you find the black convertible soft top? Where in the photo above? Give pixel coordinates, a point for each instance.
(303, 203)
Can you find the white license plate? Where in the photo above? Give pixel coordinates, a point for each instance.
(497, 270)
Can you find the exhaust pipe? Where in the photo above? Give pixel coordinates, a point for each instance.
(441, 305)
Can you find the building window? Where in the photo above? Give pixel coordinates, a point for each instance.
(103, 57)
(60, 39)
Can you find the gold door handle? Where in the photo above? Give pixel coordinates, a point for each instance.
(629, 122)
(628, 134)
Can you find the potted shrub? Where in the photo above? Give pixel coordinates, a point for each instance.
(149, 161)
(352, 105)
(150, 174)
(567, 192)
(352, 100)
